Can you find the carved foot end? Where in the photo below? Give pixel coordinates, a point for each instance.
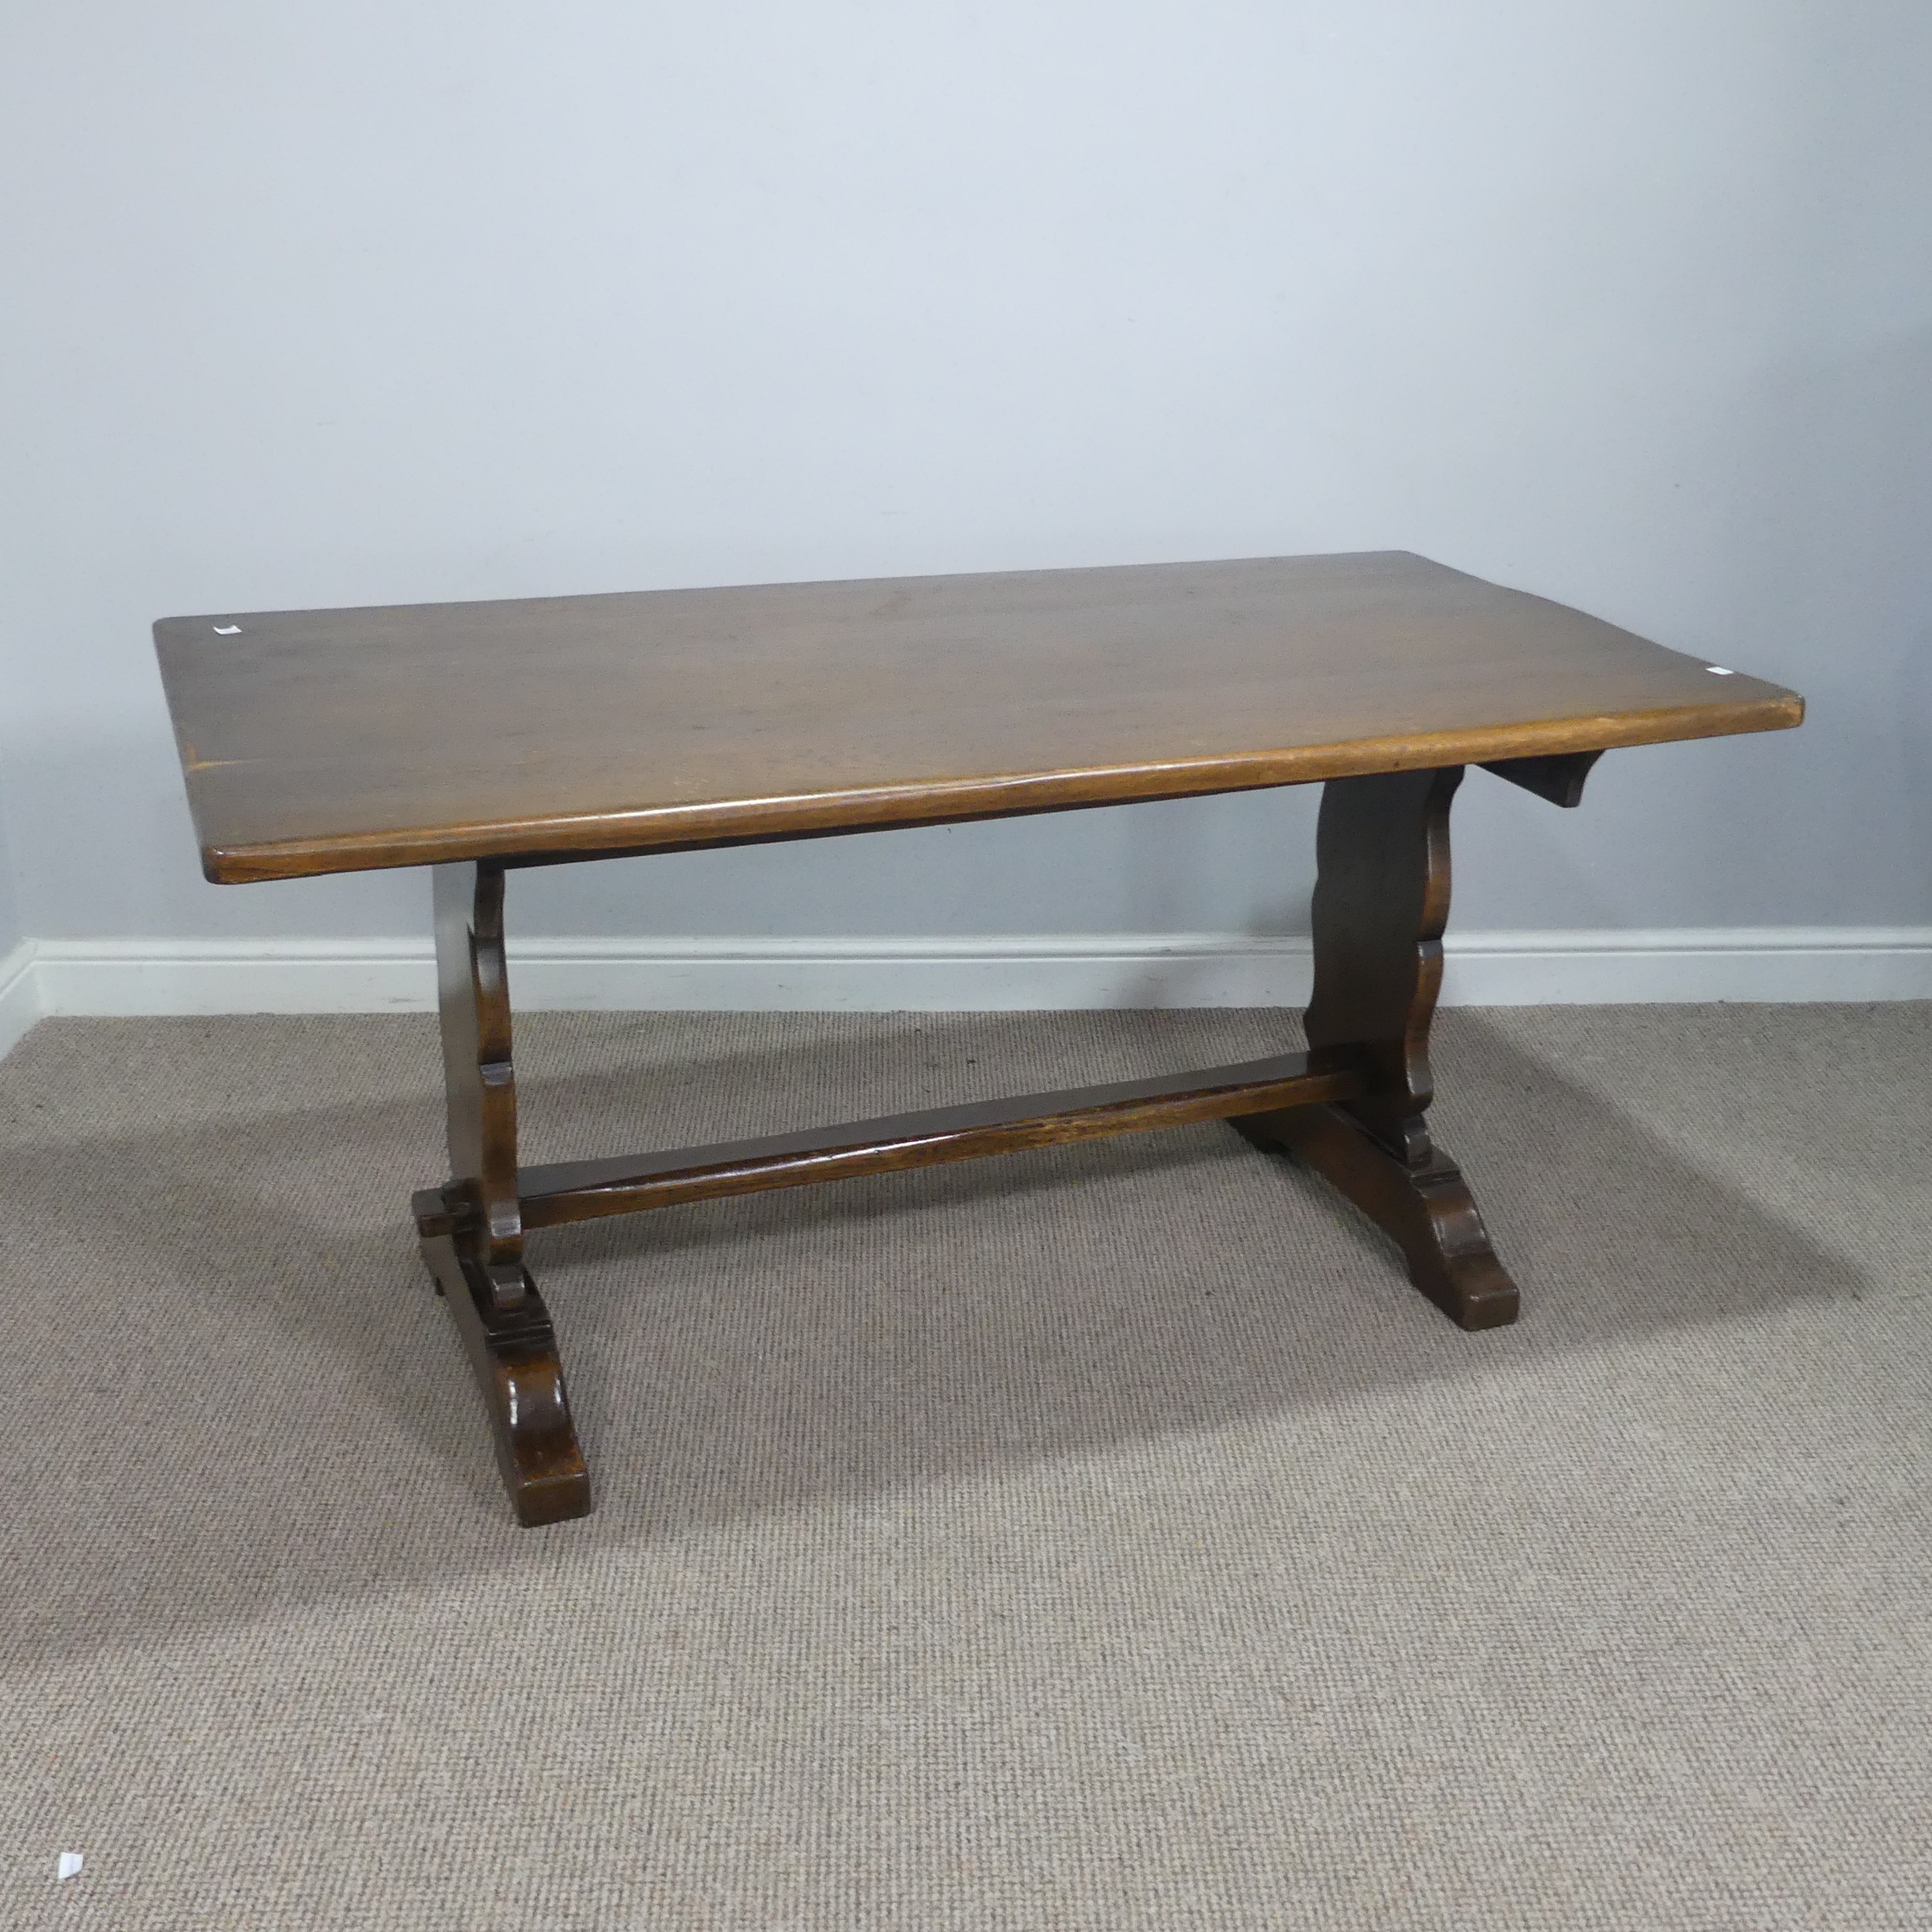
(1424, 1205)
(513, 1353)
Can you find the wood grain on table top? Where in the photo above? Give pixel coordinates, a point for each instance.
(319, 741)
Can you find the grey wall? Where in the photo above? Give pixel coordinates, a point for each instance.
(1629, 304)
(12, 927)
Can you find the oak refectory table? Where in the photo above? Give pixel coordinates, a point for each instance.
(475, 738)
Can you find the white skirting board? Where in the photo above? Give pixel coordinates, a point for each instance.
(138, 976)
(19, 993)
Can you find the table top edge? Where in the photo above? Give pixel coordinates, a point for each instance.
(940, 801)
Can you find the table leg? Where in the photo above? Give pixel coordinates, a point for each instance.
(472, 1229)
(1381, 902)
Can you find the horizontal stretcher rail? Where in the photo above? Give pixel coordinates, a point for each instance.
(568, 1191)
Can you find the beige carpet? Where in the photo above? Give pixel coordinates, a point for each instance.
(1103, 1538)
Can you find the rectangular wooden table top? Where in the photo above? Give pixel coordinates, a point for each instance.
(320, 741)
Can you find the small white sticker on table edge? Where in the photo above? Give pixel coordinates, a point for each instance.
(1715, 670)
(228, 629)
